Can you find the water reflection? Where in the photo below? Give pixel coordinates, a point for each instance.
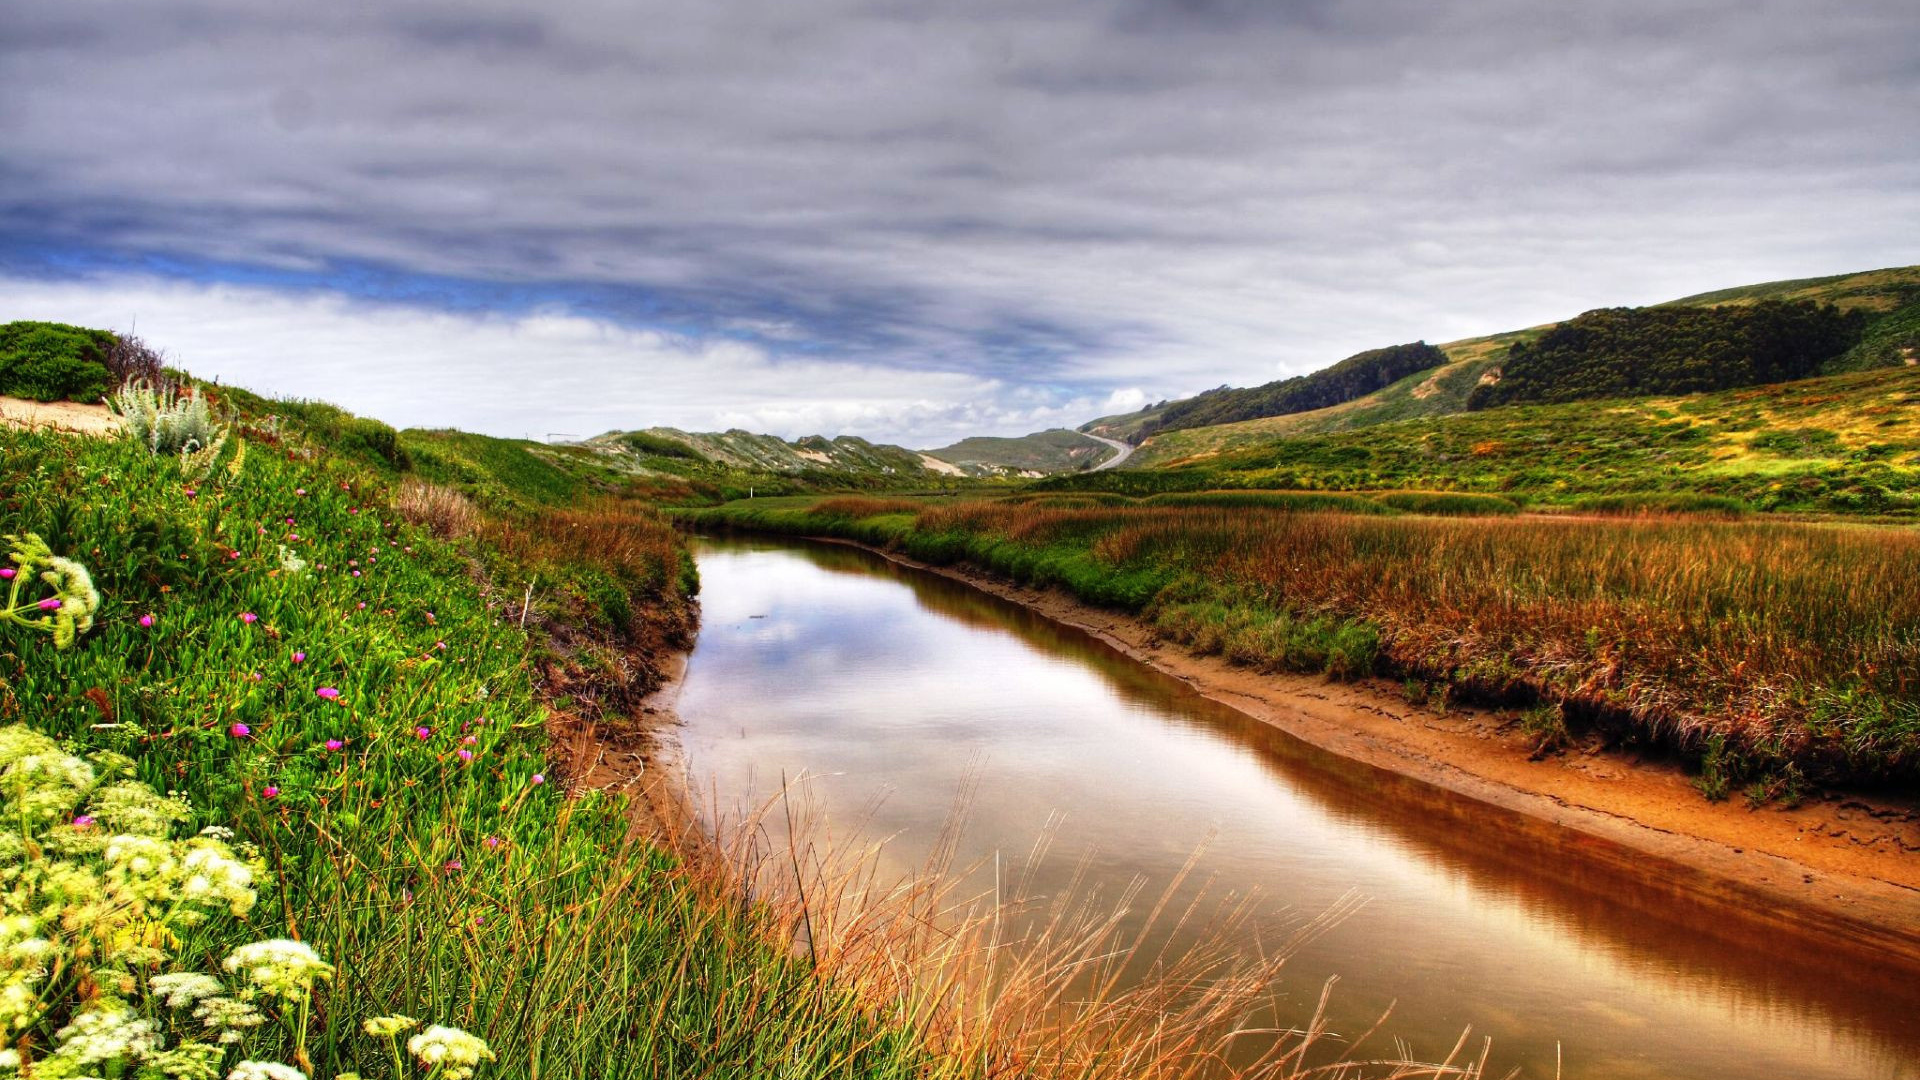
(900, 688)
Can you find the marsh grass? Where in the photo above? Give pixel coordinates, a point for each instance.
(1796, 645)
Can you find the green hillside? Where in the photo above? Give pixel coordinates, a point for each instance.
(1838, 444)
(1052, 451)
(1355, 377)
(1889, 298)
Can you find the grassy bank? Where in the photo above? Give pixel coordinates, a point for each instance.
(1769, 652)
(357, 697)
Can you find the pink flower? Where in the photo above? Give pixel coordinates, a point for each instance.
(271, 792)
(239, 731)
(466, 755)
(233, 554)
(249, 617)
(470, 740)
(492, 841)
(423, 733)
(334, 744)
(82, 821)
(453, 864)
(7, 572)
(356, 573)
(361, 606)
(439, 644)
(299, 491)
(328, 692)
(539, 778)
(191, 493)
(49, 604)
(146, 622)
(299, 658)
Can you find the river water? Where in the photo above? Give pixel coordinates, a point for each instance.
(893, 692)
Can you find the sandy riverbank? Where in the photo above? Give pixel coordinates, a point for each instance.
(1840, 867)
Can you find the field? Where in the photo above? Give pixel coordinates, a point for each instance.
(1844, 444)
(1769, 653)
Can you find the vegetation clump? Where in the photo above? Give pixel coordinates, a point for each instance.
(1354, 377)
(1631, 352)
(44, 361)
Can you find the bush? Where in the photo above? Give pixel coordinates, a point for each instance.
(441, 510)
(1652, 503)
(1448, 503)
(165, 422)
(44, 361)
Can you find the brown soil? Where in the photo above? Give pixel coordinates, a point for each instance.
(58, 415)
(1839, 866)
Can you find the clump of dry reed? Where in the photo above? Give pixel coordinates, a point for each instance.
(1005, 982)
(440, 510)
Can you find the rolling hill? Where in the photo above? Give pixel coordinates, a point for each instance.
(1053, 451)
(1888, 299)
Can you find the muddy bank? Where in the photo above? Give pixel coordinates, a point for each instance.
(1842, 869)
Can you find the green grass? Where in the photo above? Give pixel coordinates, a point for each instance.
(459, 890)
(1845, 444)
(1762, 650)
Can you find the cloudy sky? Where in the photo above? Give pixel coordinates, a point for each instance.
(914, 221)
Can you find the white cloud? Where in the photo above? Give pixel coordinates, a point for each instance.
(534, 375)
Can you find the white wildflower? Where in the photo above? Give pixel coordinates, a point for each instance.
(188, 1061)
(265, 1070)
(180, 989)
(19, 1001)
(133, 807)
(217, 832)
(449, 1051)
(289, 562)
(45, 786)
(227, 1017)
(143, 867)
(386, 1027)
(278, 967)
(19, 740)
(213, 876)
(112, 1034)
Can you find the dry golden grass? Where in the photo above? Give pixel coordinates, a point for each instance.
(441, 510)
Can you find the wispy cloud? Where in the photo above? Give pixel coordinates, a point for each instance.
(896, 218)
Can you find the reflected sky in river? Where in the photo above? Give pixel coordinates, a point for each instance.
(896, 692)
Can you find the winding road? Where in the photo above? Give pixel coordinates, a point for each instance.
(1123, 452)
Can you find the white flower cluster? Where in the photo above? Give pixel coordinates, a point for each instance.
(71, 584)
(449, 1052)
(278, 968)
(265, 1070)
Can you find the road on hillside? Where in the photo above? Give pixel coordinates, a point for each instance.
(1124, 452)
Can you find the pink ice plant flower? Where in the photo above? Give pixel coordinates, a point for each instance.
(83, 821)
(492, 841)
(239, 731)
(7, 572)
(299, 658)
(423, 733)
(539, 778)
(334, 744)
(466, 755)
(271, 792)
(249, 617)
(328, 692)
(49, 604)
(146, 622)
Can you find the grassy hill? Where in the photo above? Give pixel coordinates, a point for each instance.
(1352, 378)
(1891, 297)
(1838, 444)
(1052, 451)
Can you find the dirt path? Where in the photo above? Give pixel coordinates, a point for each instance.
(58, 415)
(1843, 867)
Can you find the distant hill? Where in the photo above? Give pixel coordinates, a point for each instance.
(748, 452)
(1056, 450)
(1847, 443)
(1354, 377)
(1889, 301)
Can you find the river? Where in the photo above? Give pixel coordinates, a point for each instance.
(893, 692)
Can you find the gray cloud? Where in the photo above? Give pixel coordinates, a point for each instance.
(1050, 201)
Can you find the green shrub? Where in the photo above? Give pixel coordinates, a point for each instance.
(44, 361)
(1658, 502)
(1448, 503)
